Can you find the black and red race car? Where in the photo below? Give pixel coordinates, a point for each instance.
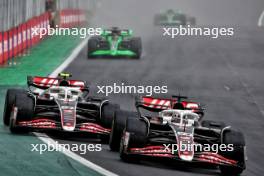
(57, 104)
(173, 128)
(150, 103)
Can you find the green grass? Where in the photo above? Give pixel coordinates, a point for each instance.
(16, 157)
(43, 58)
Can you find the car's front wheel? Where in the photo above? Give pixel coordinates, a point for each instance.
(118, 125)
(24, 112)
(134, 135)
(93, 45)
(136, 46)
(9, 102)
(107, 114)
(236, 139)
(213, 124)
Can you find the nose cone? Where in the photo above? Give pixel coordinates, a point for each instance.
(186, 147)
(68, 119)
(186, 155)
(68, 128)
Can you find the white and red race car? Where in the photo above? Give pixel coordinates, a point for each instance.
(173, 128)
(61, 104)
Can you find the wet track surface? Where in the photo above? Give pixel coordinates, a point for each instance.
(225, 74)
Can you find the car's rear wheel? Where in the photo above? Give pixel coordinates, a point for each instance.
(9, 102)
(192, 21)
(137, 130)
(136, 46)
(238, 154)
(183, 19)
(25, 112)
(213, 124)
(157, 19)
(104, 139)
(108, 112)
(93, 45)
(118, 125)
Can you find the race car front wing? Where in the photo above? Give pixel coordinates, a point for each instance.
(45, 124)
(162, 151)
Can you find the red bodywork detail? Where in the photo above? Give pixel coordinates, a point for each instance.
(215, 158)
(161, 151)
(158, 151)
(47, 82)
(188, 140)
(68, 117)
(94, 128)
(51, 124)
(163, 103)
(38, 123)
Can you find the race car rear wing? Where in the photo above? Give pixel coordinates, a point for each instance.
(46, 82)
(123, 32)
(159, 104)
(153, 104)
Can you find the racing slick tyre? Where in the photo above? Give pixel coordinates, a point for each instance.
(108, 113)
(104, 139)
(183, 19)
(136, 46)
(238, 154)
(25, 111)
(93, 45)
(118, 125)
(9, 102)
(157, 19)
(138, 131)
(213, 124)
(192, 21)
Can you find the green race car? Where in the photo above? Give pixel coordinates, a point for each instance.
(173, 18)
(115, 42)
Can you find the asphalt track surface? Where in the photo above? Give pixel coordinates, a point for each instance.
(225, 74)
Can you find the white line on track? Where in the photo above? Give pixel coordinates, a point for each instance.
(46, 139)
(67, 62)
(227, 88)
(261, 19)
(246, 87)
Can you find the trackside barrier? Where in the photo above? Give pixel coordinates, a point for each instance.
(16, 40)
(1, 48)
(71, 18)
(23, 36)
(10, 43)
(20, 38)
(5, 42)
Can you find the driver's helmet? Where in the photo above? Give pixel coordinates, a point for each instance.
(176, 118)
(115, 30)
(64, 83)
(189, 119)
(178, 106)
(170, 11)
(61, 94)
